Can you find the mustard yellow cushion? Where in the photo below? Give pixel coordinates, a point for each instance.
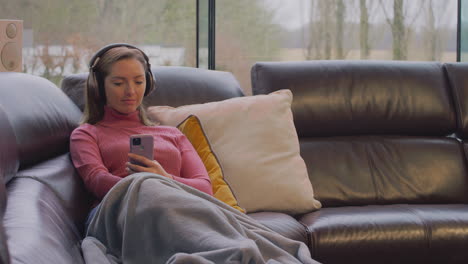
(192, 129)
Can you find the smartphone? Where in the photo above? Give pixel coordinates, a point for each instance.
(142, 145)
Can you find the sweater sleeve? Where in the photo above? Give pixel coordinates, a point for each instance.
(193, 171)
(87, 160)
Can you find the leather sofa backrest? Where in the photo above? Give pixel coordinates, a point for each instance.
(8, 167)
(458, 77)
(9, 162)
(333, 98)
(42, 122)
(373, 132)
(36, 119)
(175, 86)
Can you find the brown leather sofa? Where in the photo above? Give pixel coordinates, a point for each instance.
(383, 143)
(45, 203)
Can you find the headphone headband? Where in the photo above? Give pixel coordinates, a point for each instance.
(99, 53)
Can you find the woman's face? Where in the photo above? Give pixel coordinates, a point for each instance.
(125, 85)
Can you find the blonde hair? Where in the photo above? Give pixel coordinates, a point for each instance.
(95, 98)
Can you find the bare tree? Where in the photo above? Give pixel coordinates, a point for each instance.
(431, 34)
(320, 30)
(313, 37)
(401, 29)
(364, 30)
(368, 35)
(400, 43)
(339, 34)
(327, 25)
(432, 31)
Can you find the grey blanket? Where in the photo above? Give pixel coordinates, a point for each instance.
(147, 218)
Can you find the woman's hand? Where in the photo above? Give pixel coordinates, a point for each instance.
(149, 166)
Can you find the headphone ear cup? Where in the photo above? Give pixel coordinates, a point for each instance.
(100, 91)
(92, 86)
(149, 83)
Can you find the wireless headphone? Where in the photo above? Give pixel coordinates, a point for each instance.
(100, 81)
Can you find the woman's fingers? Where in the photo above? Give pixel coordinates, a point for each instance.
(143, 160)
(146, 165)
(130, 171)
(137, 168)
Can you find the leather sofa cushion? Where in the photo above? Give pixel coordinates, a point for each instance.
(38, 227)
(9, 162)
(458, 77)
(282, 224)
(335, 98)
(44, 119)
(363, 170)
(175, 86)
(389, 234)
(73, 86)
(8, 166)
(4, 252)
(59, 175)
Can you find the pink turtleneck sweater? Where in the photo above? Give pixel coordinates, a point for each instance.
(99, 152)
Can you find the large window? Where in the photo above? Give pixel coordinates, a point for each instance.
(60, 36)
(275, 30)
(464, 30)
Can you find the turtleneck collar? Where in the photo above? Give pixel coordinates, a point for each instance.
(116, 119)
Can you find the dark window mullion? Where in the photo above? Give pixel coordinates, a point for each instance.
(459, 21)
(211, 34)
(197, 33)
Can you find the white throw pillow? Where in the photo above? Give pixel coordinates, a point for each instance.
(255, 140)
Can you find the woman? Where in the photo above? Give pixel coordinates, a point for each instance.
(165, 213)
(120, 76)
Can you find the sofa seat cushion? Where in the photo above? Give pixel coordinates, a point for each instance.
(389, 234)
(60, 176)
(364, 170)
(38, 228)
(282, 224)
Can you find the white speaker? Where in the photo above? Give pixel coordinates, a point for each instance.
(11, 45)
